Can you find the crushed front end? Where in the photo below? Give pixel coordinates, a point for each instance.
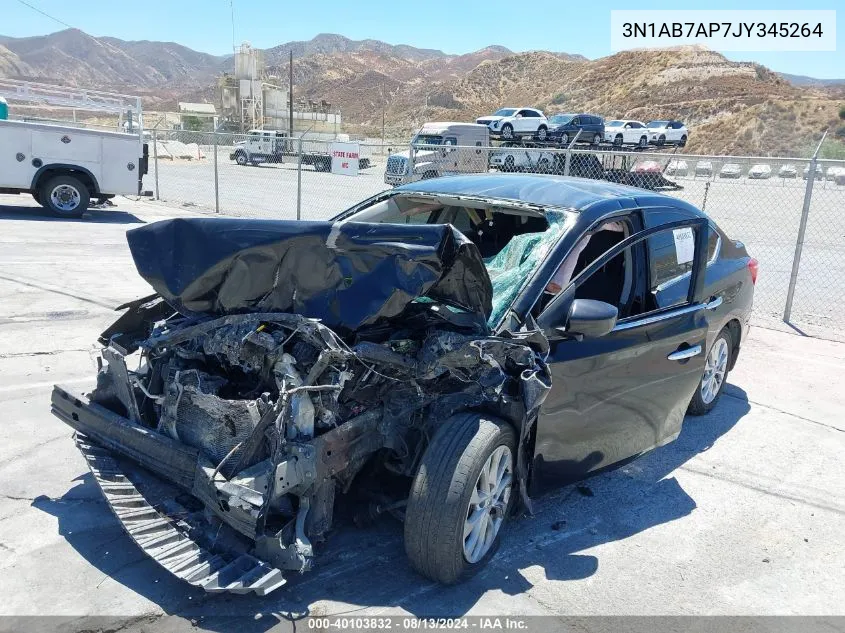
(234, 405)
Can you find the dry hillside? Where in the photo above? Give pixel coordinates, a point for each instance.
(737, 108)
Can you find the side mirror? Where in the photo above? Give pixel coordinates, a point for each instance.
(586, 318)
(591, 318)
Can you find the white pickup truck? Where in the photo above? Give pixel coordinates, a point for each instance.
(64, 167)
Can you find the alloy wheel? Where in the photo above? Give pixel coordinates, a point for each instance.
(714, 371)
(488, 504)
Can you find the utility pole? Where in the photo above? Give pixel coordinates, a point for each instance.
(290, 95)
(382, 116)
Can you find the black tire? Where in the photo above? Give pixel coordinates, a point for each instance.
(241, 159)
(564, 139)
(643, 141)
(697, 405)
(323, 164)
(429, 174)
(617, 140)
(80, 196)
(507, 131)
(440, 495)
(36, 195)
(542, 133)
(683, 141)
(662, 140)
(510, 164)
(596, 139)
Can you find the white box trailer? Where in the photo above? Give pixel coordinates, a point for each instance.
(64, 167)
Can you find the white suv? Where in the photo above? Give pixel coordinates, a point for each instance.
(629, 132)
(513, 122)
(667, 132)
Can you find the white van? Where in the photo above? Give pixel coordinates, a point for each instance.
(440, 149)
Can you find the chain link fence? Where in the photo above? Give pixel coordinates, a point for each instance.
(760, 201)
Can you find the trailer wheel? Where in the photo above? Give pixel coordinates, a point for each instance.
(64, 196)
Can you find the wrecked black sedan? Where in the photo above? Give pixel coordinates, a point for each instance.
(443, 351)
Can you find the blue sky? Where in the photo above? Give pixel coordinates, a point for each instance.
(454, 26)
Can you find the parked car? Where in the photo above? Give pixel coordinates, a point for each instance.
(626, 132)
(788, 171)
(704, 168)
(818, 176)
(512, 122)
(522, 157)
(522, 351)
(731, 170)
(565, 127)
(760, 171)
(667, 133)
(677, 168)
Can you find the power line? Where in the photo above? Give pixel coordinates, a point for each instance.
(55, 19)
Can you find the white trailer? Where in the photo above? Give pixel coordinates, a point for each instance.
(65, 166)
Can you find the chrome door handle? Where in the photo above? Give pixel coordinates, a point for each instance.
(683, 354)
(714, 303)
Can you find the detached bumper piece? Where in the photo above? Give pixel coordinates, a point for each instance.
(165, 539)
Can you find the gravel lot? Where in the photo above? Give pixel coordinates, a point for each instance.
(764, 214)
(743, 514)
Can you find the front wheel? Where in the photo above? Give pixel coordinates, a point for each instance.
(507, 131)
(461, 497)
(564, 139)
(65, 196)
(683, 141)
(617, 140)
(716, 370)
(643, 141)
(596, 139)
(241, 160)
(661, 141)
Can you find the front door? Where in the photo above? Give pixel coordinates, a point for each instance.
(618, 395)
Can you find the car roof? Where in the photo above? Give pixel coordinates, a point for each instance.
(543, 190)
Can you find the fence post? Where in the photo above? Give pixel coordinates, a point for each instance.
(802, 228)
(299, 181)
(569, 153)
(216, 178)
(155, 160)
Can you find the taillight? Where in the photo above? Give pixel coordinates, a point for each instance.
(752, 268)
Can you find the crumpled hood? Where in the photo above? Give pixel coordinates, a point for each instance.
(348, 274)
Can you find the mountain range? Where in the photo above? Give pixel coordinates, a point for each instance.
(731, 107)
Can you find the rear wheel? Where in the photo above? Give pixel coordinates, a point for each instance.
(461, 497)
(564, 139)
(715, 374)
(643, 141)
(617, 140)
(510, 163)
(662, 140)
(65, 196)
(36, 195)
(542, 133)
(429, 174)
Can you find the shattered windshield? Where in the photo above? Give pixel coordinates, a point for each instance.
(511, 267)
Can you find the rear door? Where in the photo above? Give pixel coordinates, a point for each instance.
(618, 395)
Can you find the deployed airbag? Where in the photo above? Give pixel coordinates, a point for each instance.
(348, 274)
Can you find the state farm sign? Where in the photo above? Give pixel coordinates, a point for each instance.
(345, 158)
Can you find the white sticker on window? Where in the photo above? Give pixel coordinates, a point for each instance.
(684, 245)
